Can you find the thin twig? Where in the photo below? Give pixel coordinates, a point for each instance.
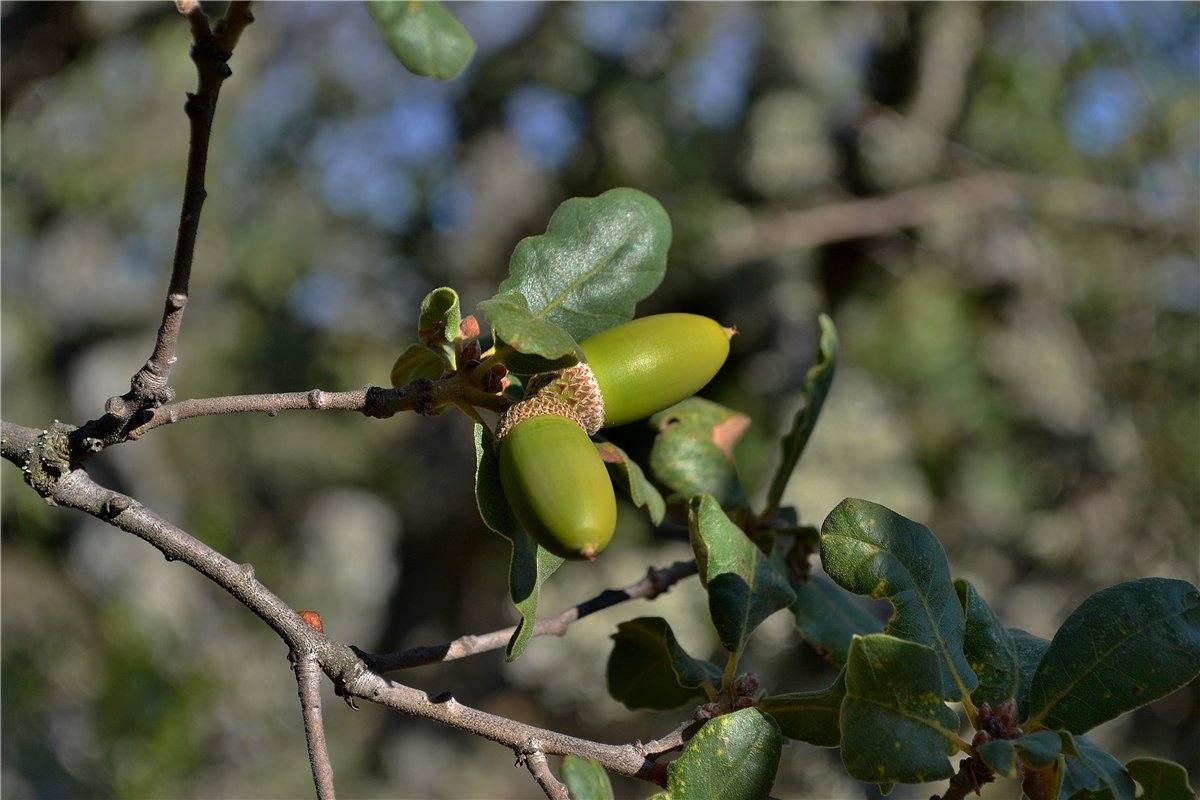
(149, 387)
(308, 682)
(655, 583)
(534, 760)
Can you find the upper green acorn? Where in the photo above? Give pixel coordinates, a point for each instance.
(654, 362)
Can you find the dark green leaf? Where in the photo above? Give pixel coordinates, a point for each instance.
(733, 757)
(1038, 750)
(1122, 648)
(1091, 773)
(648, 669)
(744, 586)
(873, 551)
(817, 382)
(440, 318)
(531, 565)
(693, 452)
(539, 344)
(1029, 650)
(629, 476)
(990, 649)
(1160, 780)
(424, 36)
(811, 717)
(895, 727)
(586, 779)
(598, 257)
(416, 362)
(828, 617)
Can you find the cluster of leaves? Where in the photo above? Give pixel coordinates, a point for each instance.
(888, 707)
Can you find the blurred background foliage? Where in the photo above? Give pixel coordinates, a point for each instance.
(1021, 358)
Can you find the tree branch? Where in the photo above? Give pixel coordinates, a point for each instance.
(149, 386)
(972, 195)
(308, 682)
(70, 486)
(534, 760)
(655, 583)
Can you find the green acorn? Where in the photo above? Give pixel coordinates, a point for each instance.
(552, 475)
(652, 363)
(556, 483)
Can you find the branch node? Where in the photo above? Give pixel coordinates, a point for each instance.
(317, 400)
(116, 504)
(248, 572)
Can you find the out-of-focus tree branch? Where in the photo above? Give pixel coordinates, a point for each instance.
(774, 232)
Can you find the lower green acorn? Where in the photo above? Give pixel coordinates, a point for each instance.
(557, 486)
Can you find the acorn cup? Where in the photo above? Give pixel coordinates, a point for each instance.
(553, 478)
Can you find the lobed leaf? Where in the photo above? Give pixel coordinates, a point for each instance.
(531, 564)
(416, 362)
(1124, 647)
(895, 726)
(1029, 650)
(536, 344)
(744, 585)
(586, 779)
(828, 617)
(733, 757)
(649, 669)
(817, 382)
(426, 37)
(626, 473)
(811, 717)
(693, 452)
(871, 550)
(1160, 780)
(989, 648)
(1091, 772)
(598, 257)
(440, 317)
(1037, 750)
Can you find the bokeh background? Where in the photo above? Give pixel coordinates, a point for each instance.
(1020, 319)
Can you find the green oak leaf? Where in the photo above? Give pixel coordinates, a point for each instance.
(629, 476)
(1124, 647)
(598, 257)
(426, 37)
(1038, 750)
(440, 318)
(812, 717)
(744, 585)
(1029, 650)
(817, 382)
(871, 550)
(733, 757)
(529, 343)
(990, 648)
(586, 779)
(693, 452)
(828, 617)
(416, 362)
(1091, 772)
(649, 669)
(1160, 780)
(895, 726)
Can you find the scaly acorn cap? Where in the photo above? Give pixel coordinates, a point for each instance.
(572, 393)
